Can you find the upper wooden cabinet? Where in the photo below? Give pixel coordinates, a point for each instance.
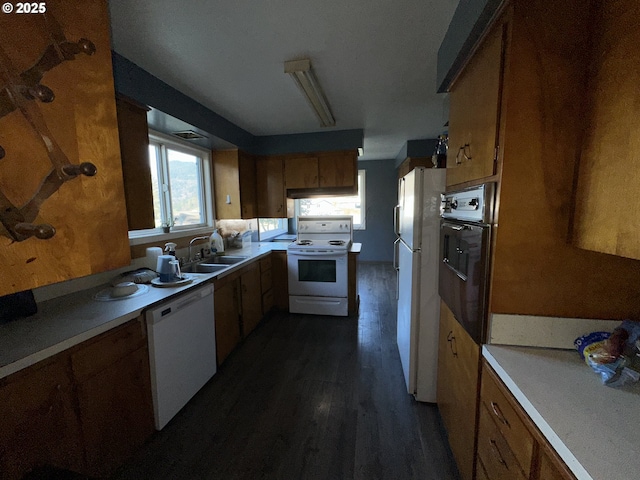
(272, 200)
(474, 113)
(607, 203)
(234, 173)
(330, 172)
(134, 149)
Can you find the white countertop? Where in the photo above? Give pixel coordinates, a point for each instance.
(68, 320)
(594, 428)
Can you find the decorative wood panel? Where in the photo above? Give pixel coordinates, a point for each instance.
(535, 269)
(51, 139)
(607, 201)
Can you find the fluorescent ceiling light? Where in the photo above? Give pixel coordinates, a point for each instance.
(302, 74)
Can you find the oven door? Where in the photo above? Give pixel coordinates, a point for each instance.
(463, 277)
(317, 273)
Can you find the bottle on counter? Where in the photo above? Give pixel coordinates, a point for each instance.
(170, 248)
(216, 243)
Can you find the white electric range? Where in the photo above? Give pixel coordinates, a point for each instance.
(317, 264)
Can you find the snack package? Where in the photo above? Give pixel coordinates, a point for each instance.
(614, 356)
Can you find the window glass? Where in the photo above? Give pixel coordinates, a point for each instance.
(349, 205)
(185, 183)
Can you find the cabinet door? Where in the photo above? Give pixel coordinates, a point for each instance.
(270, 187)
(227, 318)
(116, 412)
(134, 149)
(251, 299)
(609, 166)
(247, 179)
(301, 172)
(474, 114)
(38, 425)
(280, 279)
(551, 468)
(457, 396)
(338, 169)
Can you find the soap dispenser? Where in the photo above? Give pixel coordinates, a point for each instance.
(170, 248)
(216, 243)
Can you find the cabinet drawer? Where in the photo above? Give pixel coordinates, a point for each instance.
(107, 349)
(508, 422)
(494, 453)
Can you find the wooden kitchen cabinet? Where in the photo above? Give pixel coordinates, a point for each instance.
(227, 316)
(271, 194)
(251, 298)
(266, 284)
(38, 425)
(234, 174)
(457, 391)
(510, 447)
(607, 204)
(475, 103)
(133, 133)
(113, 384)
(301, 171)
(334, 172)
(280, 278)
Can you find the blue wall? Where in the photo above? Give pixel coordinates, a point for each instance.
(381, 196)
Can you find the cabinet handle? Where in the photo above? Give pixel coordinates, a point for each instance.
(464, 151)
(496, 452)
(458, 160)
(452, 340)
(498, 413)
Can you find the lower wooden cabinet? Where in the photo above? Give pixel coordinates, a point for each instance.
(251, 298)
(510, 447)
(38, 424)
(227, 317)
(86, 409)
(458, 382)
(266, 284)
(280, 279)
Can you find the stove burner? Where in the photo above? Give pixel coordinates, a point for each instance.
(303, 242)
(336, 242)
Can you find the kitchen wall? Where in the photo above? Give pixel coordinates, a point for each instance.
(381, 197)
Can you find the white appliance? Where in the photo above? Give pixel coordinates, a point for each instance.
(416, 254)
(182, 350)
(317, 265)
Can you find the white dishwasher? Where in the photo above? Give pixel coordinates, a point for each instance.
(182, 350)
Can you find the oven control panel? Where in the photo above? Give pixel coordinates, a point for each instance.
(473, 204)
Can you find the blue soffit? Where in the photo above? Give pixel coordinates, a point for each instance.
(469, 22)
(136, 83)
(416, 149)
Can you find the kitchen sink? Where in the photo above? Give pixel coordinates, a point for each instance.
(203, 268)
(225, 259)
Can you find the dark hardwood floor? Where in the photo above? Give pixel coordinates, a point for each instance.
(307, 397)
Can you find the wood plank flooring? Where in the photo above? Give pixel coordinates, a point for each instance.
(307, 397)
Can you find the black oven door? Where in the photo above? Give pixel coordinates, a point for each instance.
(464, 269)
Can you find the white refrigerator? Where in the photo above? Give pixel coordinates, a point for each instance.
(416, 254)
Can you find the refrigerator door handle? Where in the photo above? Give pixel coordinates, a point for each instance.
(396, 253)
(396, 220)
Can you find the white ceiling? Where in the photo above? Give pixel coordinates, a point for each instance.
(375, 60)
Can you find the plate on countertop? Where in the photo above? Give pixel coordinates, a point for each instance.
(105, 295)
(186, 278)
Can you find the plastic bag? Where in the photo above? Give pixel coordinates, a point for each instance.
(614, 356)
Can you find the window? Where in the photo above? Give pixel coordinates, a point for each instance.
(181, 185)
(353, 205)
(271, 227)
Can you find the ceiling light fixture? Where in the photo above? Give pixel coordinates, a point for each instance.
(302, 74)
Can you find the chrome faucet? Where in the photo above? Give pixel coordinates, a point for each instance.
(195, 239)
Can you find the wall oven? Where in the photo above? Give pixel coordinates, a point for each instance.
(465, 238)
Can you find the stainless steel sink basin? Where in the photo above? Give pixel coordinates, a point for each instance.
(225, 259)
(203, 268)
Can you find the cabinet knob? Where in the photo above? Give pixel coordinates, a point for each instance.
(43, 231)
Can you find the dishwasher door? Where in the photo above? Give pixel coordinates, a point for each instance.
(182, 350)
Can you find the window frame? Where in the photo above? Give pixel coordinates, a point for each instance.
(206, 181)
(362, 193)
